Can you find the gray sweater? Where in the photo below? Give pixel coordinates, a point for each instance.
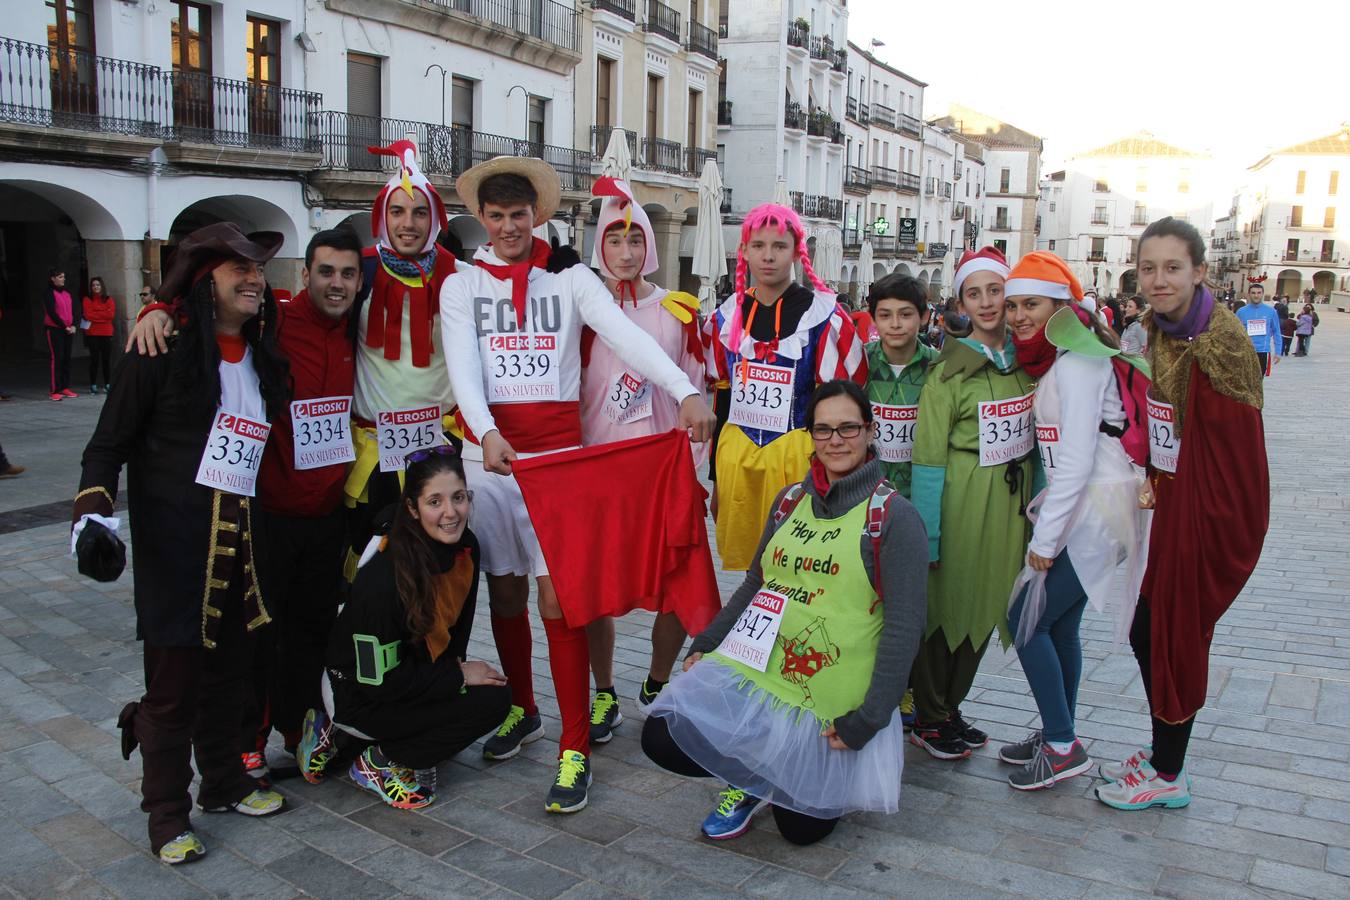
(904, 582)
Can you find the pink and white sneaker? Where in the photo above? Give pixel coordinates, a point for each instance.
(1117, 771)
(1144, 788)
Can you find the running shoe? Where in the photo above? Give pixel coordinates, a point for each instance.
(185, 848)
(973, 737)
(907, 714)
(940, 740)
(69, 393)
(1022, 752)
(646, 696)
(568, 794)
(1143, 788)
(255, 767)
(731, 818)
(316, 745)
(257, 804)
(518, 729)
(13, 471)
(395, 785)
(57, 397)
(1117, 771)
(1048, 767)
(605, 717)
(93, 389)
(427, 779)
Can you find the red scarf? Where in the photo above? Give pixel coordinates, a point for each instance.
(1035, 355)
(519, 274)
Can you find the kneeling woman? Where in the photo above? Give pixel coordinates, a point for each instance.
(396, 657)
(796, 703)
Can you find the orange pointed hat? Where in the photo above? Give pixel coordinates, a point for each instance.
(408, 178)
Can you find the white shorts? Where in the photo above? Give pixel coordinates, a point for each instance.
(502, 523)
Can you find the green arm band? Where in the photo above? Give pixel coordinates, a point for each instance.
(374, 659)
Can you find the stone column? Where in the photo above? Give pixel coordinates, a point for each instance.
(666, 232)
(118, 263)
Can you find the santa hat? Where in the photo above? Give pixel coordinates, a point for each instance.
(986, 259)
(408, 178)
(1043, 274)
(620, 208)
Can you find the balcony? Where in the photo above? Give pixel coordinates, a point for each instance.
(945, 190)
(822, 48)
(1139, 217)
(910, 125)
(821, 124)
(600, 140)
(851, 110)
(930, 186)
(1289, 257)
(662, 20)
(798, 36)
(662, 155)
(1101, 219)
(702, 40)
(958, 210)
(724, 112)
(907, 250)
(856, 180)
(726, 201)
(835, 133)
(99, 94)
(1096, 256)
(909, 183)
(794, 116)
(442, 149)
(852, 240)
(883, 116)
(547, 20)
(1001, 225)
(883, 245)
(884, 177)
(624, 8)
(694, 159)
(797, 200)
(840, 61)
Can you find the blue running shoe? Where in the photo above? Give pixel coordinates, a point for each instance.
(731, 818)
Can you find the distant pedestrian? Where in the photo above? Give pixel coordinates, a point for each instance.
(1304, 331)
(59, 323)
(7, 468)
(1262, 325)
(1134, 339)
(1288, 325)
(99, 310)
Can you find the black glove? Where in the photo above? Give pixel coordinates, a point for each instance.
(561, 257)
(99, 553)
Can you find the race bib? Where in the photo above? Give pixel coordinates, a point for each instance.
(322, 432)
(895, 431)
(401, 431)
(750, 640)
(1256, 327)
(761, 397)
(1006, 430)
(233, 453)
(1047, 442)
(522, 368)
(1164, 444)
(629, 400)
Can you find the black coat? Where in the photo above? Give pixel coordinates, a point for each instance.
(159, 435)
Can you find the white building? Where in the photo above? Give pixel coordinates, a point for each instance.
(1294, 229)
(1094, 210)
(1012, 165)
(883, 152)
(127, 125)
(783, 102)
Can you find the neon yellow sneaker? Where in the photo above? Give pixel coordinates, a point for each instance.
(259, 803)
(605, 717)
(568, 794)
(185, 848)
(517, 729)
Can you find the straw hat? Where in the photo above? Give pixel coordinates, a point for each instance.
(540, 174)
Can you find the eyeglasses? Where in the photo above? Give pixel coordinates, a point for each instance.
(418, 456)
(846, 431)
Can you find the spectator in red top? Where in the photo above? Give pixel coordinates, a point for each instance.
(59, 321)
(302, 507)
(99, 311)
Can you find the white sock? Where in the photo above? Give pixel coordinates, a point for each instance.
(1061, 748)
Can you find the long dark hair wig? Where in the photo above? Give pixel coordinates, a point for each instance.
(410, 548)
(196, 358)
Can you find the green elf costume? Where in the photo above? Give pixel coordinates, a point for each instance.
(895, 400)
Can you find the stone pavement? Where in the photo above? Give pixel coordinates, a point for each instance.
(1271, 758)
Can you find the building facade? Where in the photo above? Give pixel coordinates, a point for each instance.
(781, 108)
(1293, 225)
(1094, 210)
(124, 126)
(651, 69)
(1012, 166)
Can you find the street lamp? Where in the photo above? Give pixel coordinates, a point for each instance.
(428, 72)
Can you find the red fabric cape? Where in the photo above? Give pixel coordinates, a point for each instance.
(1209, 524)
(622, 528)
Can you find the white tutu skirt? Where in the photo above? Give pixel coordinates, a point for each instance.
(752, 741)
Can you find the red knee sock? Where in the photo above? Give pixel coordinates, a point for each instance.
(569, 657)
(514, 643)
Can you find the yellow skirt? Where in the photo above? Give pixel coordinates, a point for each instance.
(749, 477)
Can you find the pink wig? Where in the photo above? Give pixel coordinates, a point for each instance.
(768, 215)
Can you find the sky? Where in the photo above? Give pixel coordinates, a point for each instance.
(1203, 76)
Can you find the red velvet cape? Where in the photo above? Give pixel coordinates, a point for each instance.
(1209, 524)
(622, 527)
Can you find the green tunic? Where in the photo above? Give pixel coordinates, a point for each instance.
(974, 514)
(885, 386)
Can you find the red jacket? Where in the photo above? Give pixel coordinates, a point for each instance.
(322, 365)
(100, 311)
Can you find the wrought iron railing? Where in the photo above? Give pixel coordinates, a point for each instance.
(702, 40)
(794, 116)
(726, 201)
(958, 210)
(906, 249)
(910, 125)
(835, 132)
(929, 186)
(662, 155)
(851, 108)
(237, 113)
(442, 149)
(840, 61)
(818, 122)
(883, 115)
(1139, 217)
(625, 8)
(852, 239)
(856, 178)
(909, 183)
(724, 112)
(946, 190)
(662, 20)
(695, 158)
(822, 48)
(600, 140)
(884, 177)
(797, 200)
(1101, 219)
(547, 20)
(797, 36)
(883, 245)
(819, 207)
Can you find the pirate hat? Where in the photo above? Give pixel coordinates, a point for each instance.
(208, 247)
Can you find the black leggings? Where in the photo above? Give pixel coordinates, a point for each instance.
(660, 747)
(1169, 741)
(100, 357)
